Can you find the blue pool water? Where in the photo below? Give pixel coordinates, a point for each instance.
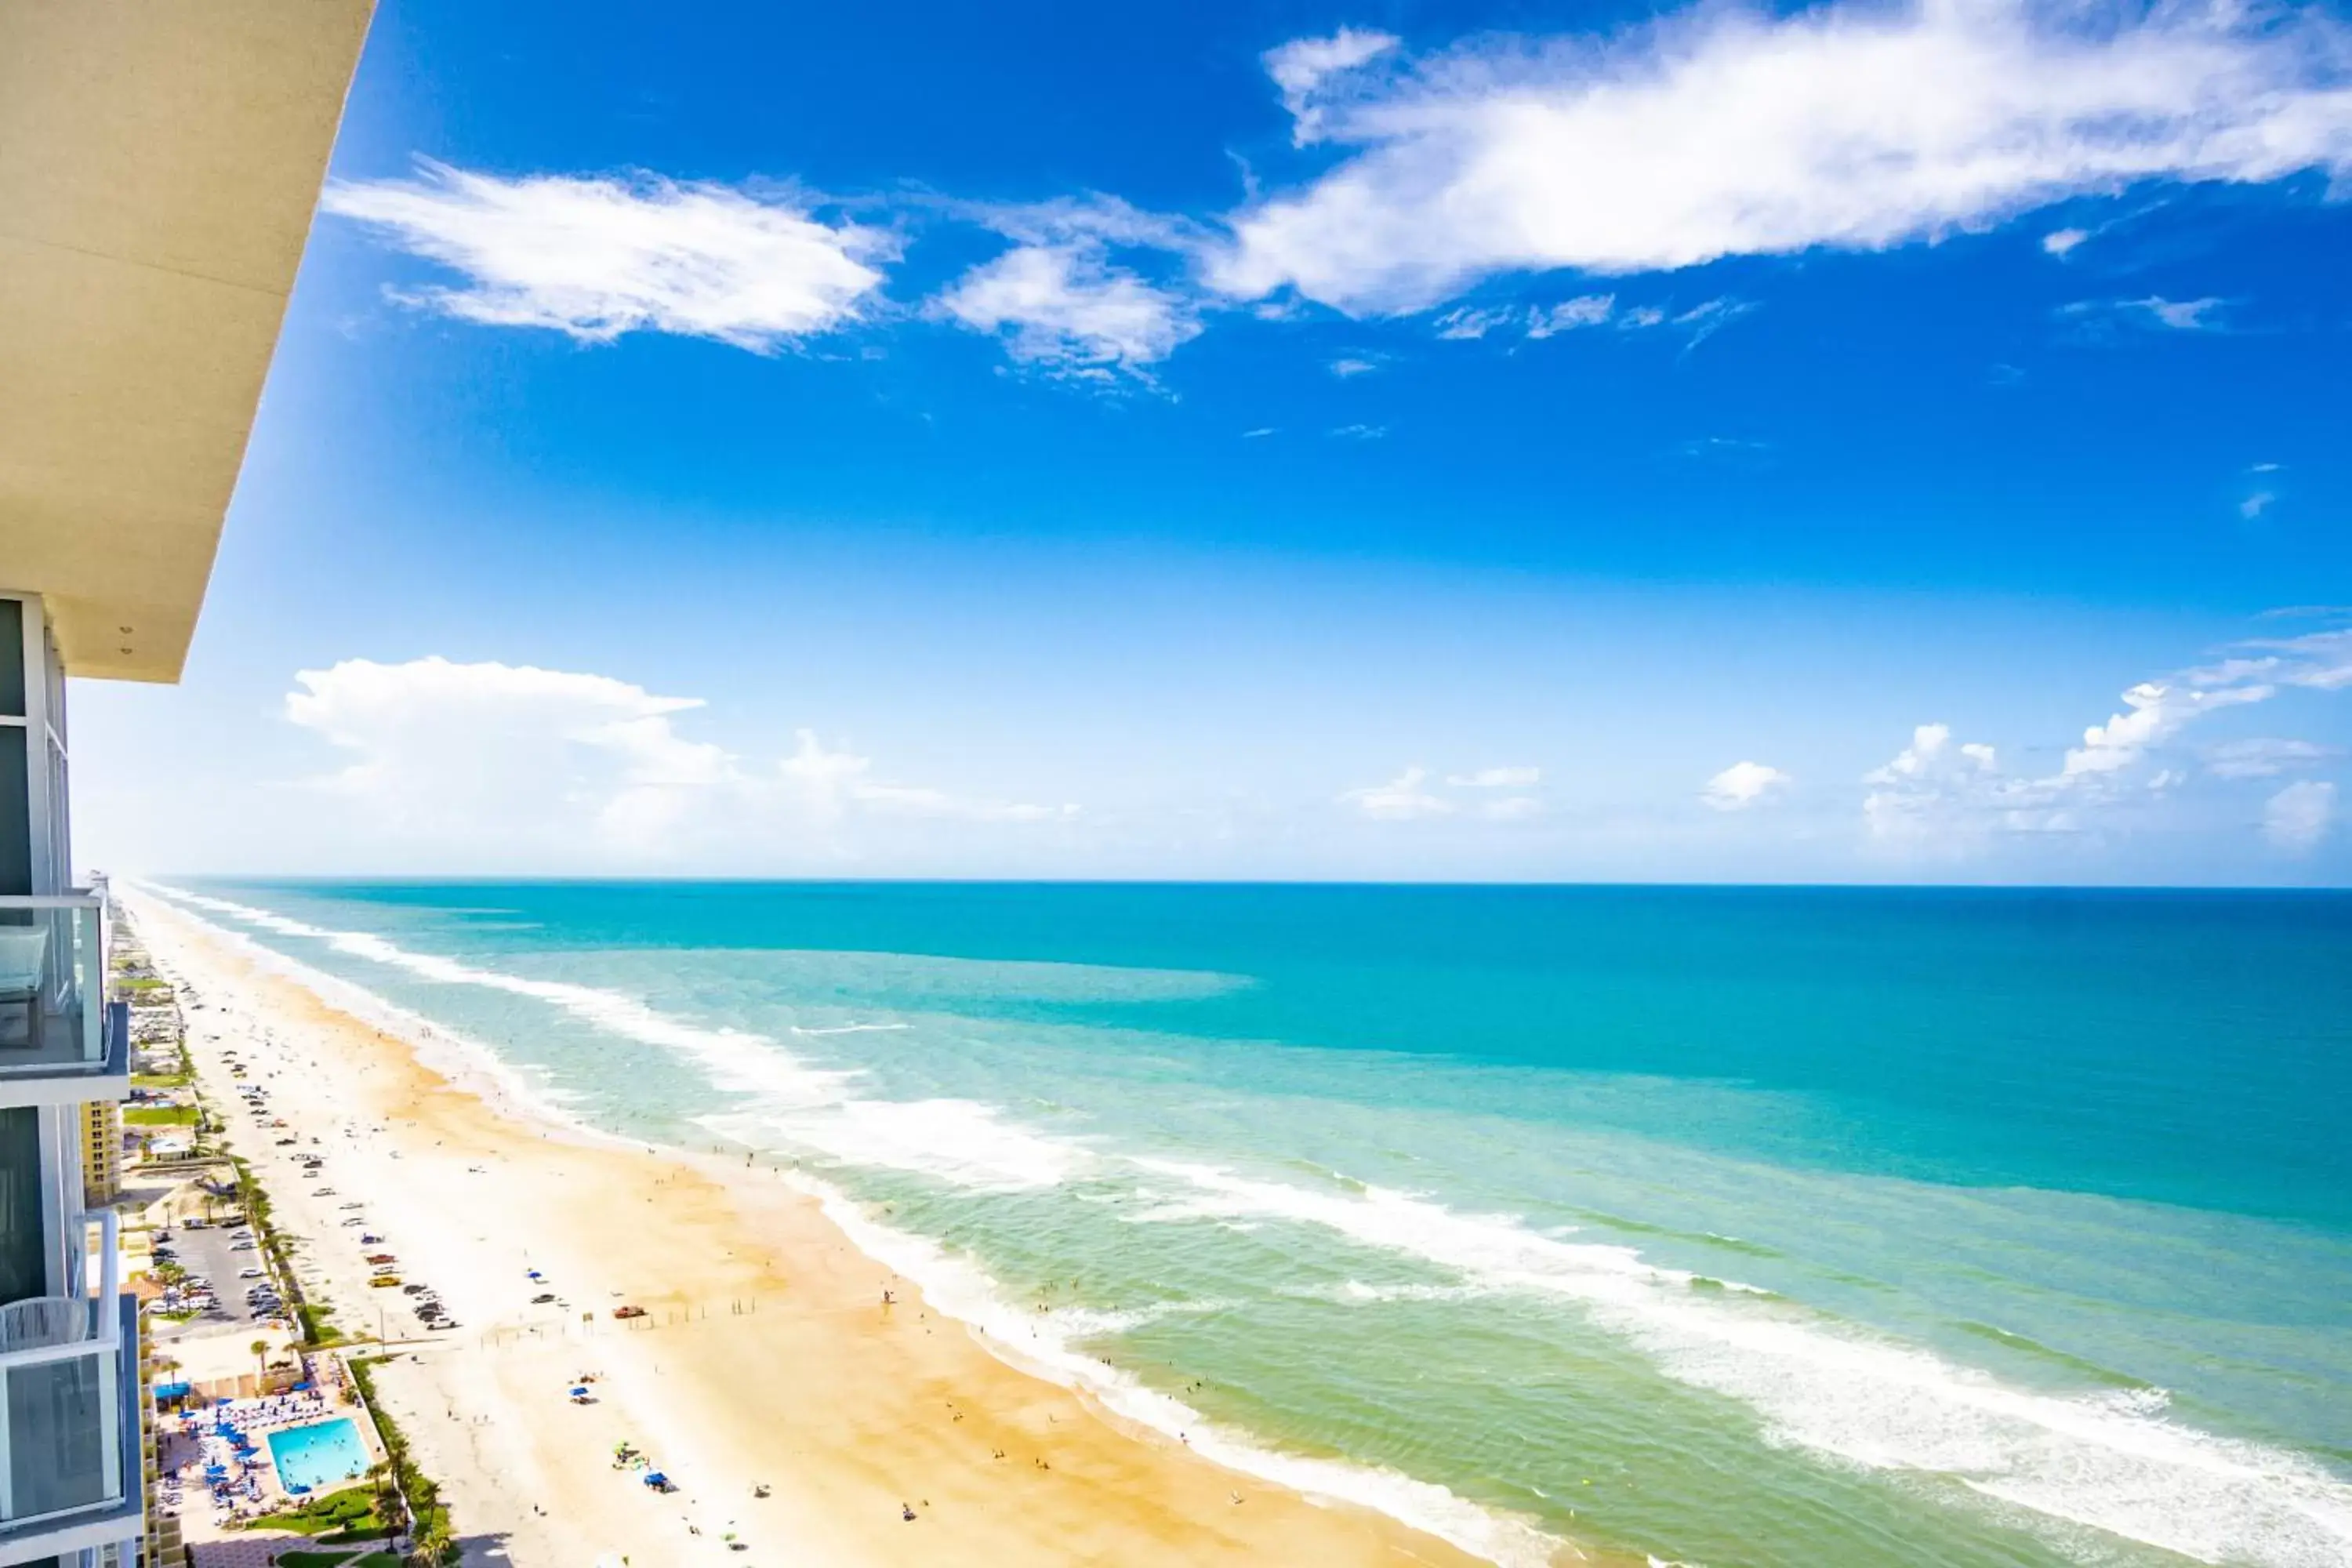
(1784, 1228)
(319, 1455)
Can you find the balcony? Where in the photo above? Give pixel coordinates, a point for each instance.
(58, 1045)
(70, 1393)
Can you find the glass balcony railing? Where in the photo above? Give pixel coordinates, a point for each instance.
(69, 1394)
(53, 986)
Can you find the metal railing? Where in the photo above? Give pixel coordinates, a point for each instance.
(52, 984)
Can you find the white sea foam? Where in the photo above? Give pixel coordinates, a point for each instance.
(2113, 1464)
(851, 1030)
(957, 1141)
(1049, 1344)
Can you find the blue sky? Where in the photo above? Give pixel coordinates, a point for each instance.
(1280, 440)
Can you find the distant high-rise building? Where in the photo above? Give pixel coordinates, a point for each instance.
(101, 1152)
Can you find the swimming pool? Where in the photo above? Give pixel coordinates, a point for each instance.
(319, 1455)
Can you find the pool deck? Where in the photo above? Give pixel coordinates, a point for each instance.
(207, 1531)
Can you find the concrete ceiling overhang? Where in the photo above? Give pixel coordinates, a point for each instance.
(160, 161)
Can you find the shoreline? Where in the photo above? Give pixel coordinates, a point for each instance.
(996, 1455)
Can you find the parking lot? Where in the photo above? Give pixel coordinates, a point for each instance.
(214, 1254)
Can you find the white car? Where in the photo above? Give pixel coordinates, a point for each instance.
(243, 1245)
(248, 1273)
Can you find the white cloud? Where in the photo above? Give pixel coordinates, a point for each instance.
(1301, 68)
(2254, 505)
(833, 782)
(1467, 324)
(1511, 808)
(1720, 132)
(2297, 817)
(598, 257)
(1933, 789)
(2321, 661)
(1359, 432)
(1344, 368)
(1584, 310)
(2153, 713)
(1937, 792)
(2264, 758)
(1537, 322)
(505, 764)
(1067, 309)
(1401, 799)
(2062, 242)
(1742, 785)
(1496, 778)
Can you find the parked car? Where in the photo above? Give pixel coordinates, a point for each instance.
(541, 1299)
(248, 1273)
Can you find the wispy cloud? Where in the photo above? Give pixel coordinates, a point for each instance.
(1496, 778)
(1359, 432)
(2062, 243)
(1301, 68)
(1536, 322)
(1345, 368)
(499, 764)
(2297, 817)
(1742, 785)
(1401, 799)
(2153, 312)
(2265, 757)
(596, 257)
(1722, 132)
(1068, 311)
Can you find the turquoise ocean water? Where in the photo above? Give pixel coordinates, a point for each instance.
(1731, 1226)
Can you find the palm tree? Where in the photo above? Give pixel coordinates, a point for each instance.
(260, 1349)
(432, 1541)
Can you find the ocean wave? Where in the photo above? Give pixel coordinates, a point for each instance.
(959, 1141)
(2109, 1459)
(1051, 1344)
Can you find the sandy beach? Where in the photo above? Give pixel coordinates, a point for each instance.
(767, 1357)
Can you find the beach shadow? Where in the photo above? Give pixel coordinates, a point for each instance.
(486, 1549)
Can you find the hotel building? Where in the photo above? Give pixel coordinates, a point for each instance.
(160, 161)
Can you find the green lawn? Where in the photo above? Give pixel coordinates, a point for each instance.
(159, 1080)
(159, 1116)
(352, 1509)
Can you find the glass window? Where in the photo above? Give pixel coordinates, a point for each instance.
(24, 1251)
(58, 1435)
(16, 811)
(12, 658)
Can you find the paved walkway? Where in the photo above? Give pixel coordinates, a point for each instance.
(244, 1551)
